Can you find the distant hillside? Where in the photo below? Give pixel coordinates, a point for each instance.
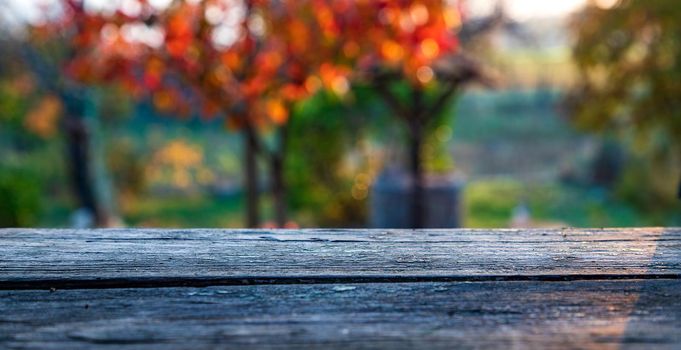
(533, 53)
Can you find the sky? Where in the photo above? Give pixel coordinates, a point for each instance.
(518, 9)
(521, 10)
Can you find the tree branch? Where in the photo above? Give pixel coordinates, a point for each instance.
(391, 100)
(442, 100)
(474, 28)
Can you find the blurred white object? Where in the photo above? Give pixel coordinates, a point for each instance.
(521, 218)
(82, 218)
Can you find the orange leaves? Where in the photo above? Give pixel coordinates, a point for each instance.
(391, 51)
(278, 52)
(295, 92)
(409, 35)
(164, 100)
(299, 35)
(429, 48)
(80, 68)
(43, 118)
(335, 78)
(268, 62)
(452, 18)
(153, 73)
(312, 84)
(327, 22)
(170, 100)
(253, 88)
(210, 109)
(351, 49)
(179, 30)
(95, 45)
(277, 111)
(290, 49)
(232, 60)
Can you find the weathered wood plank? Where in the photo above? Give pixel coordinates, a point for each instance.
(523, 315)
(107, 258)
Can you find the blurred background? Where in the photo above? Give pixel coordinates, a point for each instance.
(431, 113)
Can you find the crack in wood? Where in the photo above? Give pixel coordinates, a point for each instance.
(151, 282)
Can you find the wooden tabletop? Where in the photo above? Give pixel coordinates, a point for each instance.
(205, 289)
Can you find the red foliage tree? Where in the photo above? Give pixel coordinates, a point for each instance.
(252, 60)
(248, 61)
(398, 46)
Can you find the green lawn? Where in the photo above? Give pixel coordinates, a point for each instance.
(195, 211)
(489, 203)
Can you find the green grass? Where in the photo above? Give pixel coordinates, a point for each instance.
(55, 212)
(489, 203)
(184, 212)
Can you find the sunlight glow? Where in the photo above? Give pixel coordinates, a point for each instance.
(607, 4)
(522, 10)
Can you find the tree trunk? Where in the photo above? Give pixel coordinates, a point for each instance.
(278, 183)
(80, 168)
(251, 178)
(86, 159)
(278, 191)
(416, 174)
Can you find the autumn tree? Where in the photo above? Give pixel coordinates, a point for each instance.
(410, 52)
(271, 63)
(246, 61)
(251, 61)
(627, 54)
(282, 51)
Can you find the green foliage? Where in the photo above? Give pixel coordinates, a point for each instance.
(183, 211)
(650, 184)
(629, 58)
(12, 106)
(20, 197)
(490, 204)
(439, 134)
(321, 133)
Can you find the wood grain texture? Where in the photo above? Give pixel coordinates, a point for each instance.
(615, 288)
(499, 315)
(144, 258)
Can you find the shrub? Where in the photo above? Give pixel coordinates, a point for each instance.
(19, 197)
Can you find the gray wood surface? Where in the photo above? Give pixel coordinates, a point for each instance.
(45, 258)
(500, 315)
(202, 289)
